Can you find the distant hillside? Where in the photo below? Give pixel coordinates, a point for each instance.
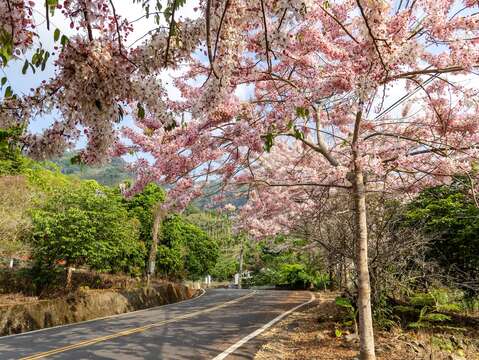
(115, 172)
(110, 174)
(238, 199)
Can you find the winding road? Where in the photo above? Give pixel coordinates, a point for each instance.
(220, 324)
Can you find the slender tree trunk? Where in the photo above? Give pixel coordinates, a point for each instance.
(69, 276)
(366, 333)
(364, 298)
(159, 215)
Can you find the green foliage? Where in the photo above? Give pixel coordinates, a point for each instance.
(170, 260)
(344, 302)
(441, 343)
(6, 47)
(290, 276)
(428, 319)
(351, 311)
(470, 304)
(289, 267)
(15, 224)
(383, 313)
(448, 215)
(268, 141)
(46, 180)
(294, 276)
(218, 228)
(185, 249)
(430, 308)
(11, 160)
(142, 205)
(80, 223)
(320, 281)
(264, 277)
(225, 268)
(87, 225)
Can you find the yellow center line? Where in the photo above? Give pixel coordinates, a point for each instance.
(132, 330)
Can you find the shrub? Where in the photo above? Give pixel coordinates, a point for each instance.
(294, 276)
(320, 281)
(429, 309)
(262, 278)
(225, 268)
(351, 312)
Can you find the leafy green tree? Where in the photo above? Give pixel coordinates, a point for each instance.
(87, 225)
(218, 228)
(185, 249)
(294, 276)
(225, 268)
(448, 215)
(142, 205)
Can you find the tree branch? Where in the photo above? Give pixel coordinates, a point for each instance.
(317, 148)
(267, 183)
(268, 60)
(425, 72)
(170, 33)
(87, 21)
(340, 24)
(371, 34)
(208, 38)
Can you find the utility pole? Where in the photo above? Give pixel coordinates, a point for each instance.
(240, 263)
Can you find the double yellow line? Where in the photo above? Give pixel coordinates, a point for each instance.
(132, 330)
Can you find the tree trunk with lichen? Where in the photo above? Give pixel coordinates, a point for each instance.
(366, 332)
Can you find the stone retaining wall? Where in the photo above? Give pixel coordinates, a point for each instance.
(87, 305)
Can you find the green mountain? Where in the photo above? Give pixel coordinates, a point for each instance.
(116, 171)
(110, 174)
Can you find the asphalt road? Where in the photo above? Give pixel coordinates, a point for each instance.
(201, 328)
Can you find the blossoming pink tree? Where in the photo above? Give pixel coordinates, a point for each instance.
(319, 76)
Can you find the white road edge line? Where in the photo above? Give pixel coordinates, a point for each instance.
(103, 318)
(247, 338)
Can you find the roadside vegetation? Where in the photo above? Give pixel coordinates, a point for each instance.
(59, 232)
(64, 233)
(424, 278)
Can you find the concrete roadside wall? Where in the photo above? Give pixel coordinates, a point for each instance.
(87, 305)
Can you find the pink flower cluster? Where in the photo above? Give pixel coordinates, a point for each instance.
(16, 25)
